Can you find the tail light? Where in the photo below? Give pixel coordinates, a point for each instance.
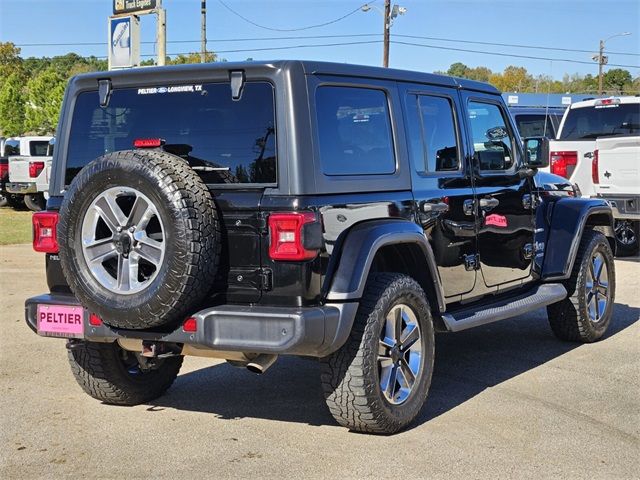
(148, 142)
(190, 325)
(4, 169)
(294, 236)
(95, 320)
(45, 238)
(563, 163)
(595, 176)
(35, 168)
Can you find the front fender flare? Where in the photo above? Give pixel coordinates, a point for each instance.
(359, 249)
(569, 218)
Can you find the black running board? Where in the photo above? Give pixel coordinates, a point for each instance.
(537, 297)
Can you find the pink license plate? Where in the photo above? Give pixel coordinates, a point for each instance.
(60, 320)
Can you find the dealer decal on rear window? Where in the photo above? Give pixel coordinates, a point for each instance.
(171, 89)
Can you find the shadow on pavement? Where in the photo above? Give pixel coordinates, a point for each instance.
(466, 364)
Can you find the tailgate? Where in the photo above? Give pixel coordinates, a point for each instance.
(619, 165)
(19, 169)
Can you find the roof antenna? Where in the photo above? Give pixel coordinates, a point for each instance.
(546, 109)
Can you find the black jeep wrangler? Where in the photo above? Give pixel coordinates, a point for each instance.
(248, 210)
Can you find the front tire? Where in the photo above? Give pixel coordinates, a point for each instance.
(586, 313)
(627, 241)
(378, 381)
(112, 375)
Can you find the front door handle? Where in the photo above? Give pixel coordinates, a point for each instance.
(439, 207)
(489, 203)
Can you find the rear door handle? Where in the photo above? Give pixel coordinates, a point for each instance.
(439, 207)
(489, 203)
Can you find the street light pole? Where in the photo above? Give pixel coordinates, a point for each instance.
(388, 15)
(602, 59)
(387, 26)
(203, 32)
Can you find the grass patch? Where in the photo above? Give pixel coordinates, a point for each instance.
(15, 227)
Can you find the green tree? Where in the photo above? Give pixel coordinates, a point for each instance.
(513, 79)
(458, 69)
(44, 99)
(617, 79)
(10, 61)
(12, 106)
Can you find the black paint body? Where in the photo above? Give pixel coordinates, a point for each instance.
(466, 255)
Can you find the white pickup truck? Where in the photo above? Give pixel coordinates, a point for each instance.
(29, 171)
(616, 176)
(573, 153)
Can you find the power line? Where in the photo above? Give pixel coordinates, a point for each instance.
(316, 37)
(239, 15)
(514, 45)
(514, 55)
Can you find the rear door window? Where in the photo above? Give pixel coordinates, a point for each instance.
(440, 143)
(12, 147)
(354, 131)
(225, 141)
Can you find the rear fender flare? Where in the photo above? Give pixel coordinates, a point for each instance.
(359, 249)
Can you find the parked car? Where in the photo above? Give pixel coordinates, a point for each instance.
(249, 210)
(616, 176)
(29, 171)
(537, 121)
(573, 153)
(8, 146)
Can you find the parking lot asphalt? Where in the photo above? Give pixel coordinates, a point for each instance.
(507, 401)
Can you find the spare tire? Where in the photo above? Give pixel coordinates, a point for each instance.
(139, 239)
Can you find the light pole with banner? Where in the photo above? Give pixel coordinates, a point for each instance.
(124, 32)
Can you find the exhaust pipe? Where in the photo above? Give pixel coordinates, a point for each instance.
(261, 363)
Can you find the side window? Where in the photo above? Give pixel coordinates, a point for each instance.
(492, 144)
(440, 143)
(354, 131)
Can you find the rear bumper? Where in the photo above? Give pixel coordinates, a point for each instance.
(312, 331)
(624, 207)
(22, 188)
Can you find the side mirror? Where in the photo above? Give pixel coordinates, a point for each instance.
(536, 152)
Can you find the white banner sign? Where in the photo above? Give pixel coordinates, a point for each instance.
(124, 42)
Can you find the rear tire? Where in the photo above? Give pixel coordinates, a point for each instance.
(586, 313)
(35, 202)
(113, 375)
(3, 200)
(361, 389)
(627, 237)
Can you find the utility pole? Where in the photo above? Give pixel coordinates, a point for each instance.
(389, 15)
(387, 27)
(161, 34)
(602, 60)
(203, 32)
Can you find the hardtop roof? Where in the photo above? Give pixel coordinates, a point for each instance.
(181, 72)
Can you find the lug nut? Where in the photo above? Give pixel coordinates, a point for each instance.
(118, 229)
(132, 229)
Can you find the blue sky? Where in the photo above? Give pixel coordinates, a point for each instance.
(548, 23)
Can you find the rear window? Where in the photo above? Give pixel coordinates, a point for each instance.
(12, 147)
(354, 131)
(535, 126)
(599, 121)
(225, 141)
(39, 148)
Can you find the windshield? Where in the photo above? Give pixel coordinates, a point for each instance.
(225, 141)
(602, 120)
